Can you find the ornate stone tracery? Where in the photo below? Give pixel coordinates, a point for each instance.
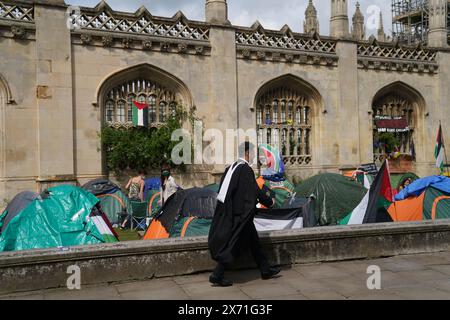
(22, 12)
(283, 118)
(119, 101)
(372, 55)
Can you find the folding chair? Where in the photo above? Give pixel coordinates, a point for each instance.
(139, 215)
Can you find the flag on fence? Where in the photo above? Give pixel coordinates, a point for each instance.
(140, 114)
(439, 151)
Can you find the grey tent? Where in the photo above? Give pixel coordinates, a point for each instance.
(100, 186)
(20, 202)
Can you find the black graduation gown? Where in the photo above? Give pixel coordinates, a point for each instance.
(231, 217)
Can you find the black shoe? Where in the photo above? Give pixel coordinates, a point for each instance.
(220, 282)
(270, 274)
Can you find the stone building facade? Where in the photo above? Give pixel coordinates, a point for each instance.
(65, 73)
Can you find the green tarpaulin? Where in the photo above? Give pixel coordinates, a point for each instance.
(335, 196)
(62, 219)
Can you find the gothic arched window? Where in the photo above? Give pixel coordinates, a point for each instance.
(119, 102)
(393, 123)
(289, 127)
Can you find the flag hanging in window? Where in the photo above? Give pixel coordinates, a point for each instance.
(140, 114)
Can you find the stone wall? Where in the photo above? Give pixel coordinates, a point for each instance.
(52, 112)
(140, 260)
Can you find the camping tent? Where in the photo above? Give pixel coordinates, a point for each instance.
(335, 196)
(152, 199)
(151, 184)
(20, 202)
(186, 213)
(189, 213)
(398, 179)
(424, 199)
(113, 201)
(63, 216)
(213, 187)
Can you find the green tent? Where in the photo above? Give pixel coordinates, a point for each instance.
(190, 227)
(153, 197)
(213, 187)
(398, 178)
(65, 216)
(437, 200)
(335, 196)
(114, 204)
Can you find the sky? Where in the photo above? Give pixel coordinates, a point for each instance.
(272, 14)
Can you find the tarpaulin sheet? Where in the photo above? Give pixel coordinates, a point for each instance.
(417, 187)
(62, 219)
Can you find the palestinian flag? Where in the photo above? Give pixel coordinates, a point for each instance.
(439, 151)
(373, 207)
(104, 228)
(272, 157)
(140, 114)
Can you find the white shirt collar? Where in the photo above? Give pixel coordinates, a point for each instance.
(240, 159)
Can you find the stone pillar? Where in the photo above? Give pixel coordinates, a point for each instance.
(223, 75)
(347, 110)
(54, 94)
(339, 26)
(216, 12)
(437, 35)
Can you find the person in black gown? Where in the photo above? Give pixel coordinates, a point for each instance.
(232, 228)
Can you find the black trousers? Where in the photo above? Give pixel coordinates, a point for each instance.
(248, 238)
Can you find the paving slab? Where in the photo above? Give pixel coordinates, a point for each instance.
(424, 276)
(86, 293)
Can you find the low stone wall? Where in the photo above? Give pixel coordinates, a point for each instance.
(140, 260)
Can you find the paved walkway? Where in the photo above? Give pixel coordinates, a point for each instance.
(425, 276)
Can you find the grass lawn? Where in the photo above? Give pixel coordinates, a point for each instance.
(128, 235)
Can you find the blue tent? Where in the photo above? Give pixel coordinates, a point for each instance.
(151, 184)
(416, 188)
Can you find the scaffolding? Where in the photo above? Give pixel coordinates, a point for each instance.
(410, 21)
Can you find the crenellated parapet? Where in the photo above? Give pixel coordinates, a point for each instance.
(16, 20)
(392, 57)
(102, 26)
(257, 43)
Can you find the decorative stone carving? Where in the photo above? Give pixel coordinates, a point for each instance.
(18, 32)
(395, 58)
(199, 50)
(289, 57)
(147, 44)
(107, 41)
(142, 23)
(86, 39)
(182, 48)
(127, 42)
(164, 46)
(246, 53)
(280, 40)
(20, 12)
(260, 55)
